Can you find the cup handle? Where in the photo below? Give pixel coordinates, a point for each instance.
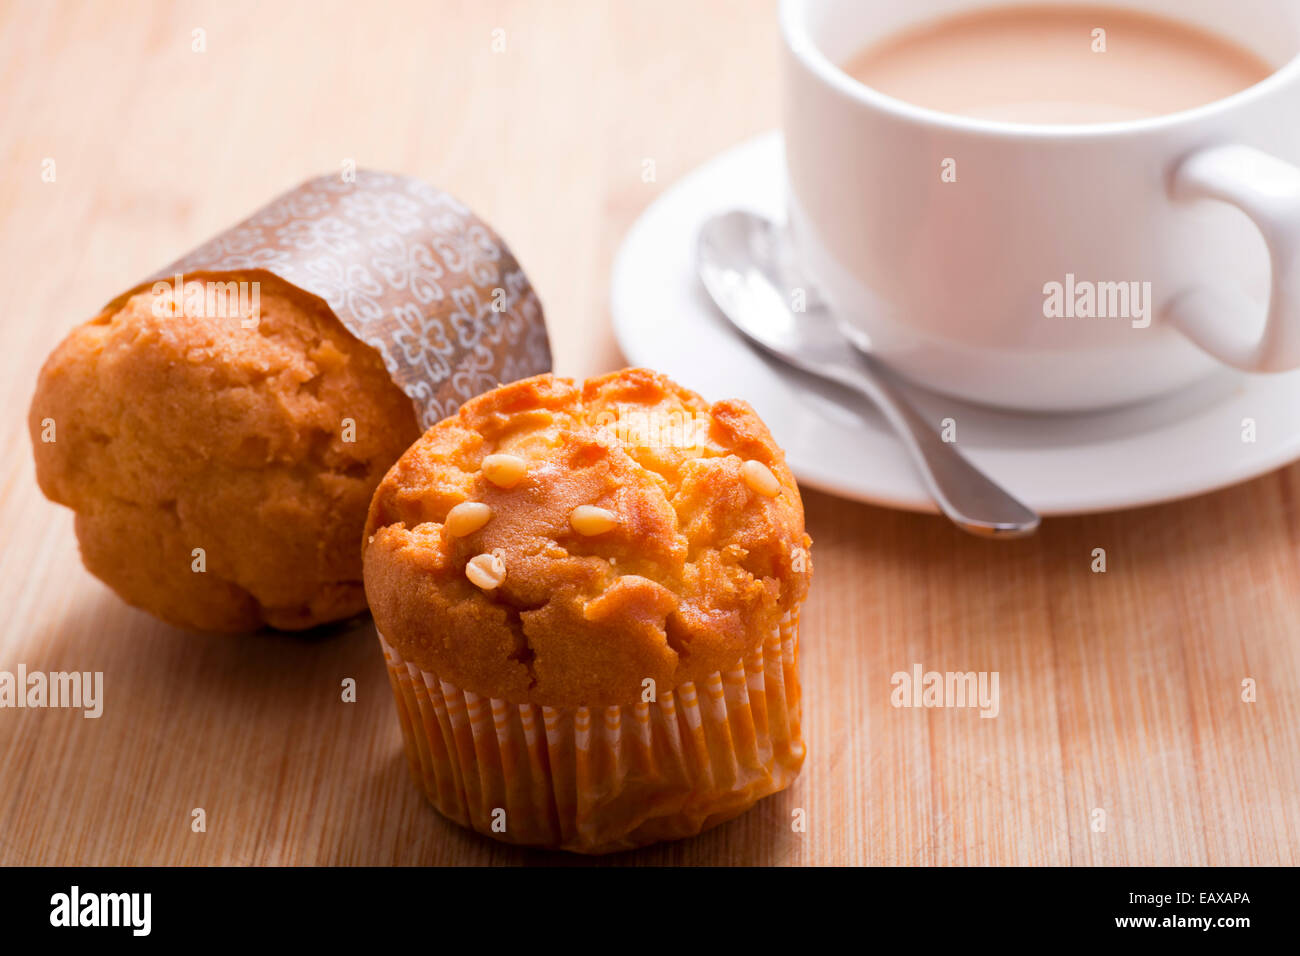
(1268, 191)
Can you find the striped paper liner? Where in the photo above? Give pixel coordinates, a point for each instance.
(599, 779)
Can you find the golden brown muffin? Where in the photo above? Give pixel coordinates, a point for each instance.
(175, 432)
(587, 596)
(706, 552)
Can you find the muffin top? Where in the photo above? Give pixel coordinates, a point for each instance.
(559, 543)
(258, 439)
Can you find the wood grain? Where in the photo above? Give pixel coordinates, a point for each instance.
(1119, 691)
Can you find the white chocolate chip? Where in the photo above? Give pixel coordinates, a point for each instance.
(590, 520)
(504, 471)
(467, 517)
(759, 477)
(486, 571)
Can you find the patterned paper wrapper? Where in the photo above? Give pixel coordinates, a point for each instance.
(600, 779)
(407, 269)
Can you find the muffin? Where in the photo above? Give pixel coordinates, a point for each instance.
(220, 474)
(588, 598)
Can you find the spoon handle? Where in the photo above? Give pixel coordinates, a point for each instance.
(965, 494)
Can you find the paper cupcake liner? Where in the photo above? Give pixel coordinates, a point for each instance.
(407, 269)
(598, 779)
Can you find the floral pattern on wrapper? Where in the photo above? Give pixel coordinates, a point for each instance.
(407, 269)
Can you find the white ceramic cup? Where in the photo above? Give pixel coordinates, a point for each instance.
(949, 282)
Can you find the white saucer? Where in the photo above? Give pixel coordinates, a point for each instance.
(1179, 445)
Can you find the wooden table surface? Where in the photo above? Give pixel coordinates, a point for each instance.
(1120, 692)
